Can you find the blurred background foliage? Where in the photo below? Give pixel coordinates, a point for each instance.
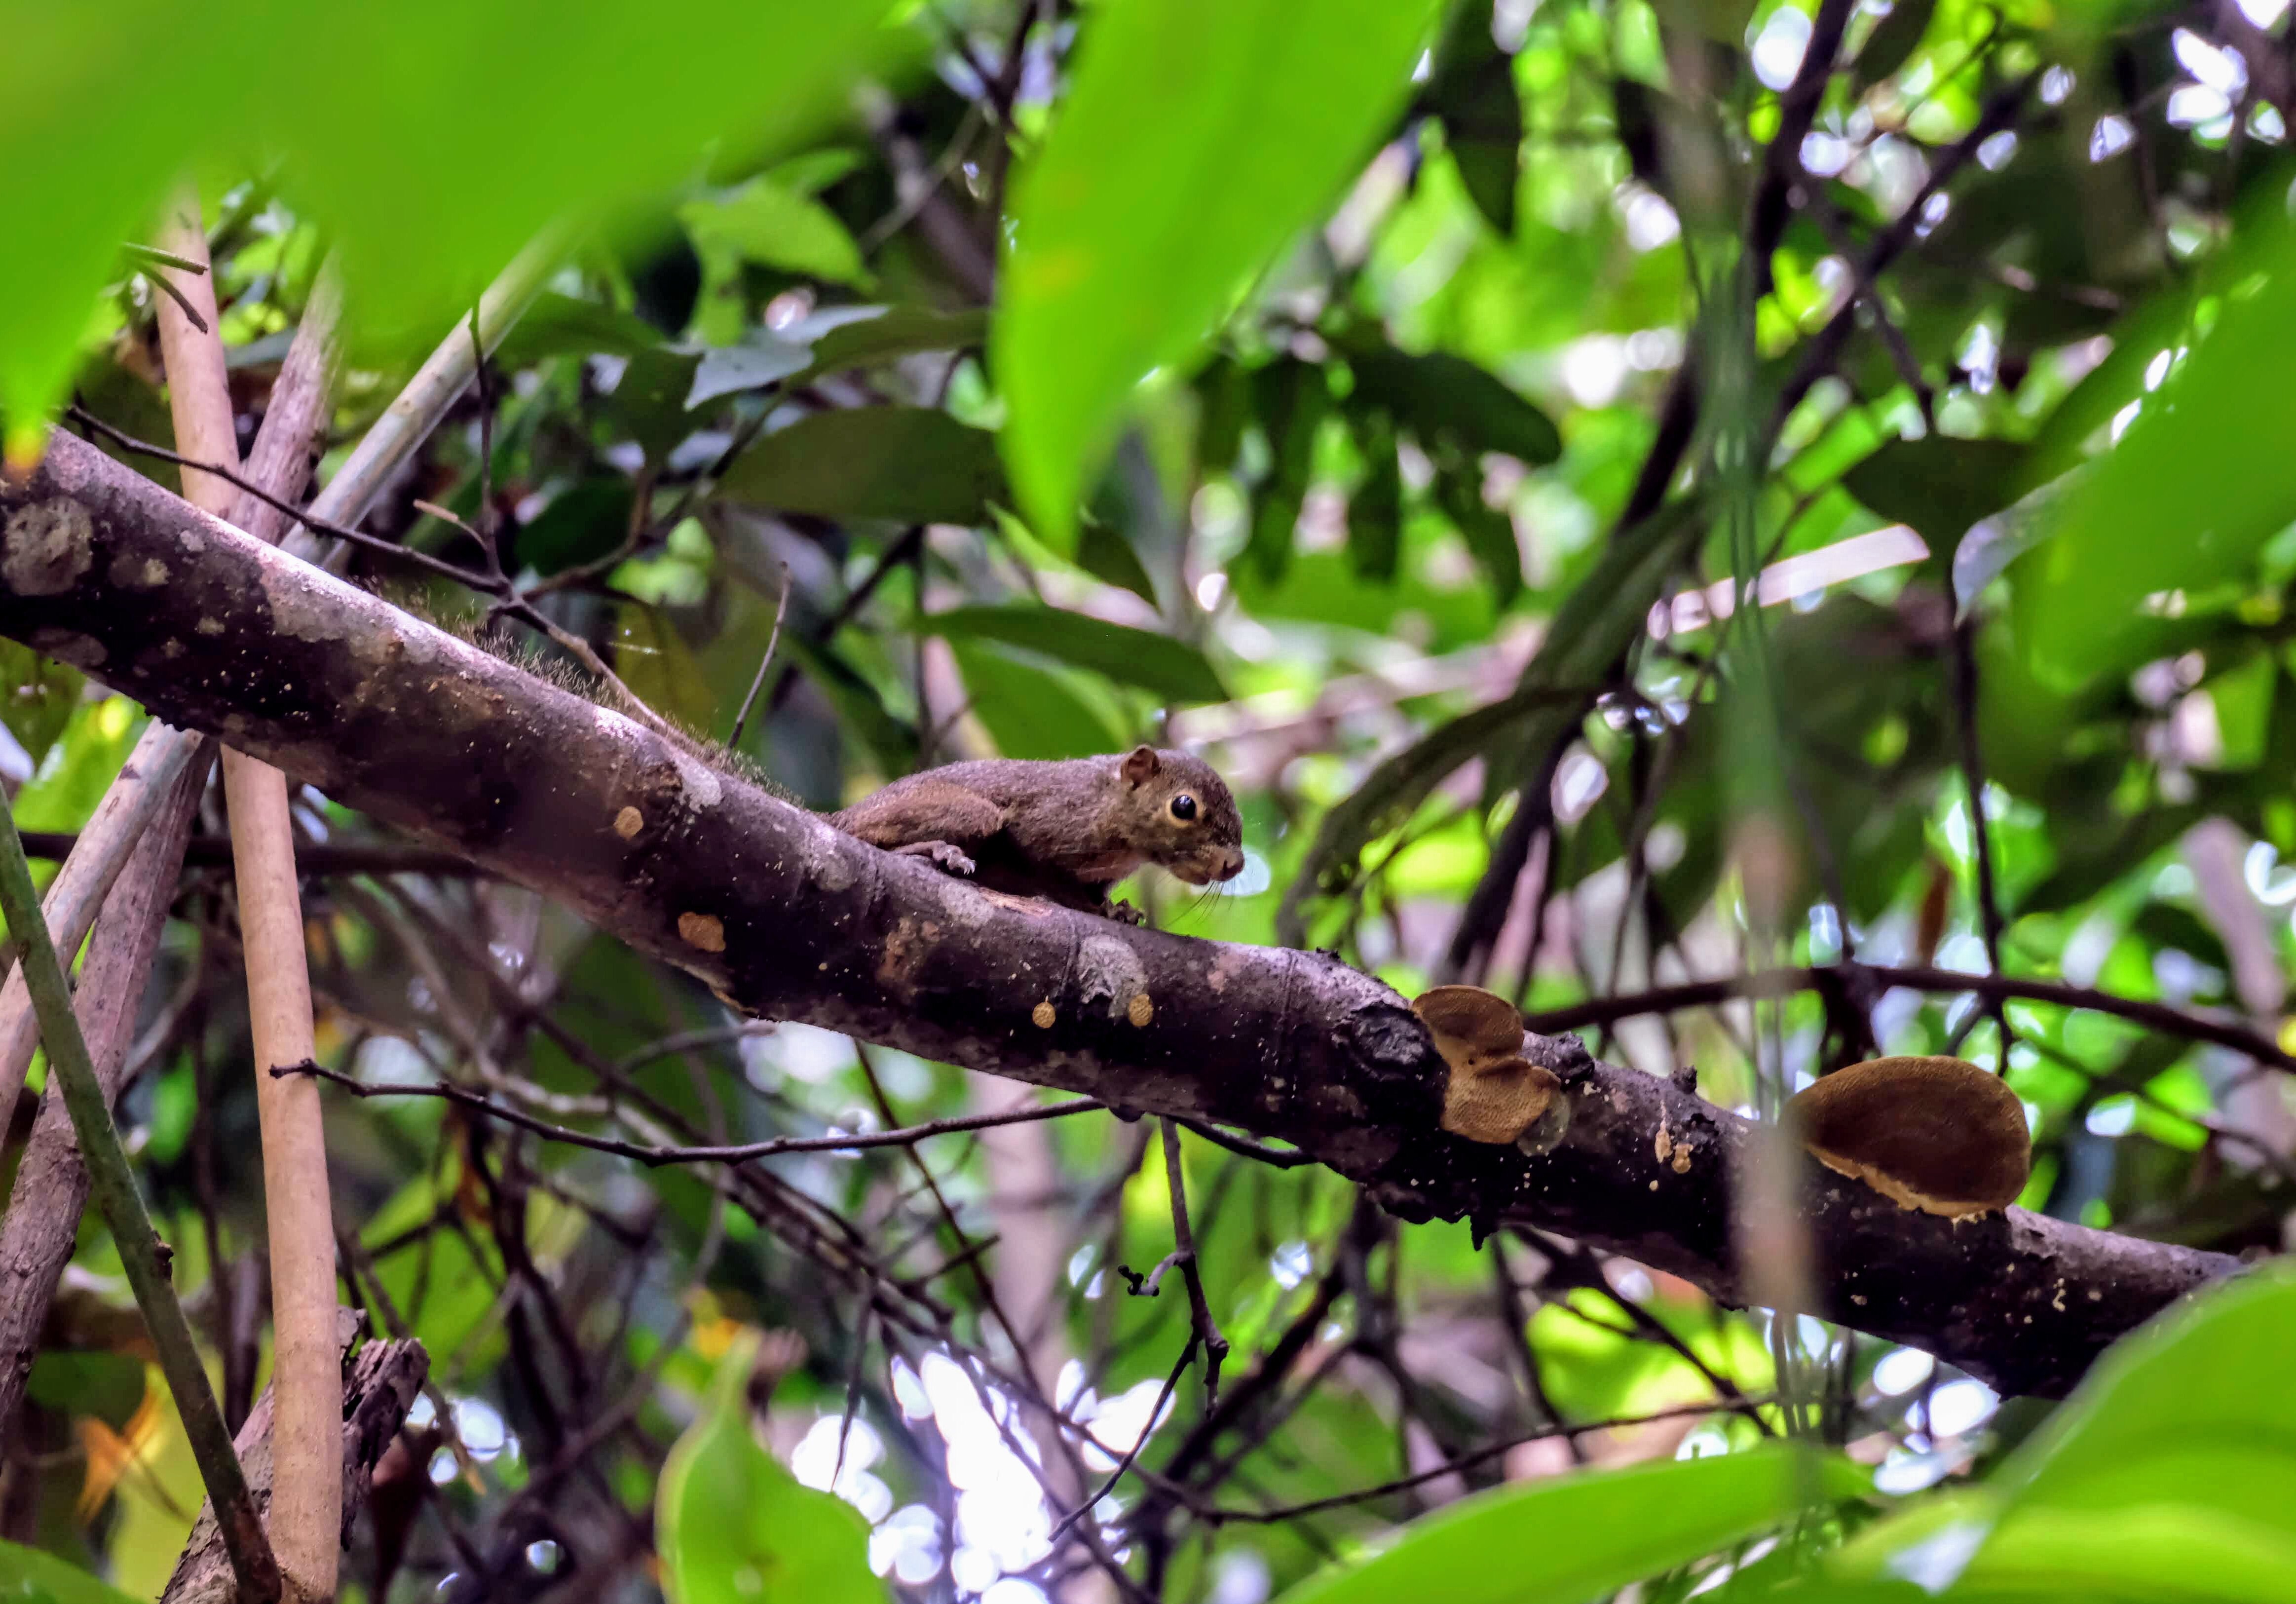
(1383, 400)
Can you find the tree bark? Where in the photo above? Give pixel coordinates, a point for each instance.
(379, 1387)
(785, 916)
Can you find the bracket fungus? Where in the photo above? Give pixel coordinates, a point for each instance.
(1494, 1094)
(1936, 1134)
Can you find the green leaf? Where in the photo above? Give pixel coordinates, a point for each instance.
(1172, 668)
(736, 1527)
(2207, 1375)
(2199, 482)
(911, 464)
(1028, 710)
(1292, 401)
(895, 332)
(1447, 400)
(1940, 485)
(582, 523)
(38, 696)
(2165, 1551)
(1894, 39)
(1104, 552)
(1473, 92)
(1489, 533)
(30, 1577)
(451, 123)
(109, 1386)
(779, 227)
(1127, 249)
(561, 326)
(1576, 1537)
(1603, 616)
(1376, 511)
(653, 660)
(649, 399)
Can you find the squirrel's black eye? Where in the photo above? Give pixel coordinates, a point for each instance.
(1183, 806)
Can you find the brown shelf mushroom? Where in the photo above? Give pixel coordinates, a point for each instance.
(1935, 1134)
(1494, 1095)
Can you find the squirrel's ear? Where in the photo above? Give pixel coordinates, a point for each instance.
(1139, 765)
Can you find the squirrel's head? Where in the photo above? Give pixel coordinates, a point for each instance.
(1179, 814)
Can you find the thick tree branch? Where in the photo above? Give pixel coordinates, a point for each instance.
(779, 912)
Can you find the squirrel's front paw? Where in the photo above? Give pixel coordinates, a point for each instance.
(1124, 913)
(948, 860)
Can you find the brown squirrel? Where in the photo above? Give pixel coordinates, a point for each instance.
(1064, 830)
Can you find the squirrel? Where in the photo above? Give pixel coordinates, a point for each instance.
(1065, 830)
(1062, 829)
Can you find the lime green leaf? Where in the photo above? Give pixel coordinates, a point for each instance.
(431, 140)
(1577, 1537)
(2155, 1552)
(776, 226)
(2200, 480)
(1128, 250)
(1446, 400)
(1172, 668)
(29, 1576)
(2205, 1378)
(1030, 712)
(908, 464)
(736, 1527)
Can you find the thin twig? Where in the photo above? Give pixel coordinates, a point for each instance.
(1779, 983)
(1163, 1399)
(656, 1155)
(757, 681)
(1184, 1245)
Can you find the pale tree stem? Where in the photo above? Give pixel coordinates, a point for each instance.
(307, 1496)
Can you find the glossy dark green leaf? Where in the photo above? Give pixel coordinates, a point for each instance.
(1940, 485)
(1447, 399)
(1224, 402)
(582, 523)
(1489, 533)
(759, 360)
(1104, 552)
(1473, 92)
(649, 399)
(897, 332)
(1171, 669)
(911, 464)
(892, 745)
(736, 1527)
(1198, 136)
(563, 325)
(1291, 401)
(1570, 1538)
(1030, 711)
(1376, 511)
(1894, 39)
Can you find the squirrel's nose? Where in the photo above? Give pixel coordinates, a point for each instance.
(1233, 864)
